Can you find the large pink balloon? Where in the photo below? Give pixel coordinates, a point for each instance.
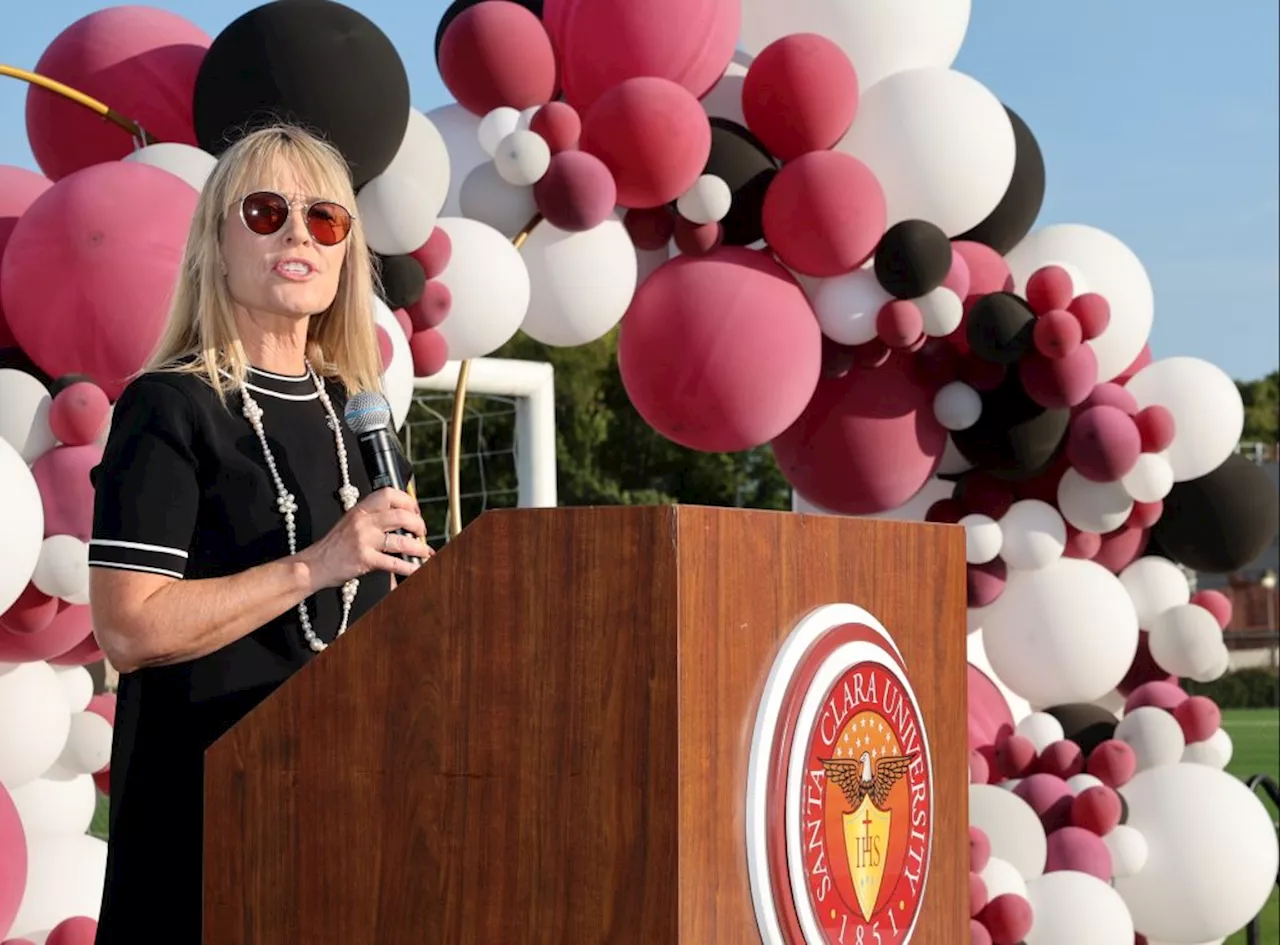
(70, 629)
(720, 352)
(867, 442)
(90, 268)
(19, 189)
(62, 475)
(138, 60)
(990, 720)
(13, 861)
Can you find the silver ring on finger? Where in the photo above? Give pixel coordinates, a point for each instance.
(386, 543)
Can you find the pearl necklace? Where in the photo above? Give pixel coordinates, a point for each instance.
(288, 504)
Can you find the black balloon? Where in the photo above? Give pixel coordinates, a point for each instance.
(1015, 438)
(1085, 724)
(314, 63)
(451, 14)
(741, 161)
(1016, 213)
(1221, 522)
(403, 280)
(913, 258)
(15, 359)
(999, 328)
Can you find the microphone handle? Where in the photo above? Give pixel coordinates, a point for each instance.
(379, 450)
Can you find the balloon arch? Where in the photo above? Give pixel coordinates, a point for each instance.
(811, 233)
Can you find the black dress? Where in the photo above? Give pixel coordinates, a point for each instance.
(184, 490)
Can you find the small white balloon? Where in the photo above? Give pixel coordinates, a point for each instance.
(1221, 741)
(1098, 507)
(942, 311)
(1035, 535)
(1128, 850)
(183, 161)
(63, 569)
(77, 684)
(1072, 907)
(847, 306)
(459, 131)
(24, 414)
(424, 154)
(1014, 829)
(21, 524)
(490, 287)
(982, 538)
(1154, 584)
(1150, 480)
(88, 746)
(1042, 729)
(707, 201)
(526, 117)
(397, 211)
(1154, 735)
(957, 406)
(1208, 413)
(1204, 753)
(1001, 877)
(1079, 783)
(489, 199)
(1186, 641)
(495, 126)
(30, 692)
(522, 158)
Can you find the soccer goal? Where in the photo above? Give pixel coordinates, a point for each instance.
(508, 440)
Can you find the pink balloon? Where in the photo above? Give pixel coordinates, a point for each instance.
(1049, 289)
(1110, 394)
(986, 582)
(577, 192)
(1049, 796)
(1143, 669)
(1217, 603)
(62, 475)
(697, 239)
(1093, 312)
(1097, 809)
(866, 442)
(720, 352)
(140, 61)
(977, 893)
(1199, 717)
(78, 930)
(979, 769)
(1160, 694)
(13, 860)
(1156, 426)
(78, 415)
(979, 849)
(1103, 444)
(31, 612)
(19, 189)
(68, 629)
(1059, 382)
(1062, 759)
(990, 720)
(1120, 548)
(1079, 850)
(958, 279)
(1142, 360)
(432, 308)
(899, 323)
(433, 255)
(559, 125)
(385, 349)
(1113, 763)
(800, 95)
(430, 351)
(404, 321)
(83, 653)
(88, 274)
(1016, 756)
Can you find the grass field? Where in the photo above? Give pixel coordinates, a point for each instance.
(1255, 735)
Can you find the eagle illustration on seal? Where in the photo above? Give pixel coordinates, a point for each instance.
(858, 777)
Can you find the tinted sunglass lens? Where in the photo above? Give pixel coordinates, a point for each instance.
(264, 213)
(329, 223)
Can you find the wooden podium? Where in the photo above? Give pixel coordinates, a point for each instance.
(544, 735)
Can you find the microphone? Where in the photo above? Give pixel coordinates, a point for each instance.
(368, 416)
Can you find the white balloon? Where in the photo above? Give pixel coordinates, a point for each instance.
(1000, 877)
(1035, 535)
(1079, 783)
(1071, 908)
(581, 284)
(527, 116)
(1204, 753)
(88, 747)
(397, 379)
(1154, 585)
(1208, 414)
(65, 875)
(424, 155)
(1128, 850)
(1014, 829)
(847, 306)
(707, 201)
(397, 211)
(957, 406)
(1042, 729)
(914, 509)
(30, 693)
(976, 655)
(940, 144)
(1150, 480)
(57, 803)
(725, 98)
(459, 130)
(1098, 507)
(982, 538)
(77, 684)
(490, 287)
(21, 524)
(942, 311)
(522, 158)
(1063, 633)
(1186, 640)
(1109, 268)
(1221, 740)
(187, 163)
(488, 198)
(1213, 854)
(1154, 735)
(24, 414)
(495, 126)
(880, 37)
(63, 569)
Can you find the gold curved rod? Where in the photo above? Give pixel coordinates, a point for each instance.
(455, 422)
(67, 92)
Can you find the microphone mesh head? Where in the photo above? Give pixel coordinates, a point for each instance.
(367, 411)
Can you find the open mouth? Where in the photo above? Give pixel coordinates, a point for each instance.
(295, 269)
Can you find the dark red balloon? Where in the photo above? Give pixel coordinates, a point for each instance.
(1093, 313)
(1121, 548)
(430, 350)
(1165, 695)
(1199, 717)
(977, 894)
(1141, 361)
(1056, 334)
(1217, 603)
(1078, 850)
(385, 349)
(1008, 918)
(1103, 444)
(697, 239)
(1016, 756)
(800, 94)
(1062, 759)
(1096, 809)
(1113, 763)
(78, 415)
(433, 256)
(1059, 382)
(1143, 669)
(824, 213)
(873, 354)
(558, 124)
(1049, 289)
(946, 512)
(899, 324)
(652, 135)
(1111, 395)
(979, 373)
(497, 53)
(31, 612)
(1082, 545)
(432, 308)
(1049, 796)
(651, 228)
(1156, 428)
(69, 628)
(1145, 514)
(986, 582)
(979, 849)
(577, 193)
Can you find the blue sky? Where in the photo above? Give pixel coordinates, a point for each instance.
(1159, 120)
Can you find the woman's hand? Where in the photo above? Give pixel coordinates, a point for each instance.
(363, 541)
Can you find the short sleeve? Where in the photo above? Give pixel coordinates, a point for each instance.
(146, 492)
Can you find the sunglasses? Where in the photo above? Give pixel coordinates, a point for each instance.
(265, 212)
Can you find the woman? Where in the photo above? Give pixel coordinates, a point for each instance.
(234, 534)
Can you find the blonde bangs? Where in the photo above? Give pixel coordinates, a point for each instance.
(200, 335)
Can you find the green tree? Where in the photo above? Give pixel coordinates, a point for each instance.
(1261, 408)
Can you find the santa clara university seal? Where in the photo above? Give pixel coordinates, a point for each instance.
(839, 789)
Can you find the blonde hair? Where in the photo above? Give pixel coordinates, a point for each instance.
(201, 337)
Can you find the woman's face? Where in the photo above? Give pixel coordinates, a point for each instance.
(285, 273)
